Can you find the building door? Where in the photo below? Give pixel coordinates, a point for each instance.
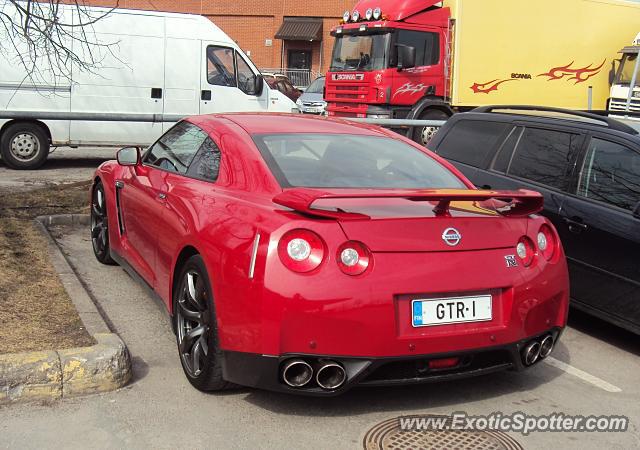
(299, 59)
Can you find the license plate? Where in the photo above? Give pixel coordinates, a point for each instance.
(441, 311)
(312, 110)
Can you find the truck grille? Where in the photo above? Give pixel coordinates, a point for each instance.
(619, 104)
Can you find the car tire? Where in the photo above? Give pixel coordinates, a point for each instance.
(24, 146)
(196, 328)
(422, 135)
(100, 226)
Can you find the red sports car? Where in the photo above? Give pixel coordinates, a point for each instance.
(311, 255)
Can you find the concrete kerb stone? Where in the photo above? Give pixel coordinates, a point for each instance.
(50, 375)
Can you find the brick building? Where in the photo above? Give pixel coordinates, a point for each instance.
(274, 33)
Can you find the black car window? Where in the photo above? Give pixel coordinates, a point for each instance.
(504, 153)
(611, 174)
(470, 142)
(175, 150)
(545, 157)
(206, 164)
(221, 66)
(427, 46)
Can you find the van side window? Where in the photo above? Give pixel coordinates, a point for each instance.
(206, 164)
(471, 142)
(427, 46)
(175, 150)
(246, 78)
(221, 66)
(545, 157)
(611, 174)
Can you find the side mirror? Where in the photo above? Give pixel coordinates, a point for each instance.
(128, 156)
(406, 57)
(613, 71)
(258, 86)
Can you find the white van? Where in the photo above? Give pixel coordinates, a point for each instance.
(162, 63)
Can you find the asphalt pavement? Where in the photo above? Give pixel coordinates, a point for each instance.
(594, 370)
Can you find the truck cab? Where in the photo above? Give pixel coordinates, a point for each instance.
(386, 58)
(625, 89)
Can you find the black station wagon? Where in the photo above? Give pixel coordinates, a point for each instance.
(588, 169)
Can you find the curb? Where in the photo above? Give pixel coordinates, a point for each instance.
(55, 374)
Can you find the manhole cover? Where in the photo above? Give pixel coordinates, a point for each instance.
(388, 436)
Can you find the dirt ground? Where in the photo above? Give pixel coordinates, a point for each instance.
(35, 311)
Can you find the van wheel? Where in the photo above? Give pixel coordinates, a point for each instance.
(422, 135)
(24, 146)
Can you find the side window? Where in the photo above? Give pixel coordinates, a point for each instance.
(545, 157)
(176, 149)
(471, 142)
(220, 66)
(427, 46)
(611, 174)
(503, 156)
(246, 78)
(206, 164)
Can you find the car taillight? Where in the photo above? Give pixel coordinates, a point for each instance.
(301, 250)
(353, 257)
(547, 242)
(525, 250)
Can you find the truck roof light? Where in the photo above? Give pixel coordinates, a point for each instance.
(355, 16)
(377, 13)
(346, 16)
(369, 14)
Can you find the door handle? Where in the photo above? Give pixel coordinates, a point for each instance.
(156, 93)
(575, 224)
(205, 95)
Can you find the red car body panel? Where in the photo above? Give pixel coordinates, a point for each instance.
(326, 312)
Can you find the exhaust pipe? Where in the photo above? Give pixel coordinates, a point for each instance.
(331, 375)
(546, 346)
(531, 353)
(297, 372)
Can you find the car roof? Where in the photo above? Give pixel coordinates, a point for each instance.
(551, 116)
(285, 123)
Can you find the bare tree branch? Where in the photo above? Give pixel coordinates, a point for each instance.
(50, 39)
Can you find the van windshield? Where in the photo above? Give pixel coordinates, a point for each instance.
(359, 52)
(351, 161)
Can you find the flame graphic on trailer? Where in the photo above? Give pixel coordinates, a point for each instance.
(489, 86)
(580, 75)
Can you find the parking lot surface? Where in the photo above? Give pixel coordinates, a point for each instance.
(159, 409)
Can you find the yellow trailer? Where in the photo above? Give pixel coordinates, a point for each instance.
(546, 52)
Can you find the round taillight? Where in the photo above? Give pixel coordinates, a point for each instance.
(354, 258)
(301, 250)
(525, 250)
(547, 242)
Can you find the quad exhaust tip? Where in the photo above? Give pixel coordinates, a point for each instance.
(531, 353)
(546, 346)
(297, 372)
(537, 349)
(331, 375)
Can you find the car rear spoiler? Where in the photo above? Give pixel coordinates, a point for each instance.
(519, 203)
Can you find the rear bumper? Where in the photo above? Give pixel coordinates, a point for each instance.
(264, 372)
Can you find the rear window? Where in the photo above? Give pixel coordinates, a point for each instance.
(349, 161)
(470, 142)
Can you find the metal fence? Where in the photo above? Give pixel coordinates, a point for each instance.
(300, 78)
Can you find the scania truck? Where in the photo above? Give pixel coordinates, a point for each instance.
(625, 88)
(425, 59)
